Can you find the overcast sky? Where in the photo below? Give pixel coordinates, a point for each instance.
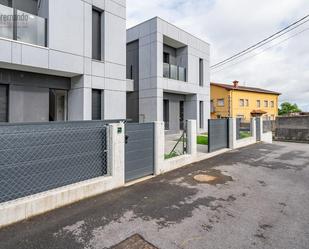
(233, 25)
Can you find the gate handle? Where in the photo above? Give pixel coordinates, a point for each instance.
(126, 139)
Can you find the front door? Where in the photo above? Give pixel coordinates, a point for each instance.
(57, 105)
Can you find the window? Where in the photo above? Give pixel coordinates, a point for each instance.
(258, 103)
(166, 58)
(4, 106)
(131, 72)
(247, 102)
(166, 114)
(96, 35)
(96, 104)
(29, 6)
(58, 105)
(212, 107)
(266, 103)
(26, 24)
(272, 104)
(201, 72)
(241, 102)
(201, 114)
(220, 102)
(6, 3)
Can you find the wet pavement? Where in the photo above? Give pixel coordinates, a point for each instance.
(258, 198)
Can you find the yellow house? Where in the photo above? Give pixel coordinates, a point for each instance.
(242, 102)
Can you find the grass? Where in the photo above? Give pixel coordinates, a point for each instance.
(203, 140)
(171, 155)
(245, 134)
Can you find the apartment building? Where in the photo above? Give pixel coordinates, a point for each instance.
(169, 72)
(243, 102)
(62, 60)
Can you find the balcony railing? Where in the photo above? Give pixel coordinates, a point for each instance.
(22, 26)
(174, 72)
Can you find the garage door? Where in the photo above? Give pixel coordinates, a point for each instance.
(139, 151)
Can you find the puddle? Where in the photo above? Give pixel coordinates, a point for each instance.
(205, 178)
(212, 177)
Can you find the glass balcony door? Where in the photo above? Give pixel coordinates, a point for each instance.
(174, 72)
(6, 22)
(22, 26)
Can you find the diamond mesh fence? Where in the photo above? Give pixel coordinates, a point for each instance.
(38, 157)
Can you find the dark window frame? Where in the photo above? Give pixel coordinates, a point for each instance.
(201, 116)
(99, 54)
(201, 72)
(166, 56)
(99, 91)
(7, 101)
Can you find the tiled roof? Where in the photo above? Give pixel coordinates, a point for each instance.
(244, 88)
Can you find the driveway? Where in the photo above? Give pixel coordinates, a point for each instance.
(259, 198)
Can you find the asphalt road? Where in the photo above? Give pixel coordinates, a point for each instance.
(259, 199)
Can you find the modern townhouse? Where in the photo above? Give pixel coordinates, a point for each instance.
(62, 60)
(169, 72)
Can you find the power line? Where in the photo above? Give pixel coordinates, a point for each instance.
(261, 45)
(290, 37)
(263, 41)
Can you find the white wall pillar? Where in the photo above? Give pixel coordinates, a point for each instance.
(159, 147)
(253, 127)
(191, 137)
(116, 153)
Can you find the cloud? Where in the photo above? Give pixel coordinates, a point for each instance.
(231, 26)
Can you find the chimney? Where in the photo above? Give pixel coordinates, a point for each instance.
(235, 82)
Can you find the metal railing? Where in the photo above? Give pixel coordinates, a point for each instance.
(22, 26)
(243, 129)
(180, 148)
(174, 72)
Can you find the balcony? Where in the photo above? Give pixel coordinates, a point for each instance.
(22, 26)
(174, 72)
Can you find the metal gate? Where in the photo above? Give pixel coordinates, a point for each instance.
(218, 134)
(38, 157)
(139, 150)
(258, 129)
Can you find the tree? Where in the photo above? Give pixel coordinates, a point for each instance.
(287, 108)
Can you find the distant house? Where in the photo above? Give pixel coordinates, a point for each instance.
(243, 102)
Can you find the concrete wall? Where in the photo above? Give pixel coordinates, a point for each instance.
(69, 54)
(293, 128)
(152, 36)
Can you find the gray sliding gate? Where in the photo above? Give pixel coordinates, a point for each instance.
(218, 134)
(40, 157)
(139, 150)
